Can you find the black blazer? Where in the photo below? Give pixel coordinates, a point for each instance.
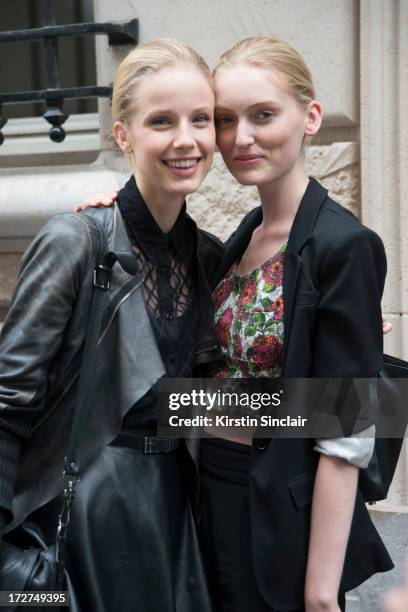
(334, 273)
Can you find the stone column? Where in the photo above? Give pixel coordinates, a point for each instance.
(384, 165)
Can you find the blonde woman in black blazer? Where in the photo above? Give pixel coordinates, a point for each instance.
(284, 525)
(326, 335)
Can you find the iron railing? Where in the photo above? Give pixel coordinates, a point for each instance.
(119, 33)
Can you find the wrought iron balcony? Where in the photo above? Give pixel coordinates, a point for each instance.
(119, 33)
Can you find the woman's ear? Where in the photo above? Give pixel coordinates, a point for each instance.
(314, 117)
(121, 136)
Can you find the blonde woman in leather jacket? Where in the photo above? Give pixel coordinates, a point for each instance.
(132, 543)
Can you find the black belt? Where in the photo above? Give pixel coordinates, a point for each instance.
(150, 445)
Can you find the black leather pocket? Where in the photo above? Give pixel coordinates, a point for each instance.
(301, 488)
(306, 298)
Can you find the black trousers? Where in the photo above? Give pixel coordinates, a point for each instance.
(225, 527)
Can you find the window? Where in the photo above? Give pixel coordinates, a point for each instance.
(22, 65)
(22, 68)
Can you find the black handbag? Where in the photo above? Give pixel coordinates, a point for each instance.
(31, 565)
(375, 480)
(27, 562)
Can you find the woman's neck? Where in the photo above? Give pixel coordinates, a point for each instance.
(164, 207)
(281, 199)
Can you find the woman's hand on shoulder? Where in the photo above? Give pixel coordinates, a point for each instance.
(100, 199)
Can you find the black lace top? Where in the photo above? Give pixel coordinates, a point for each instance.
(167, 265)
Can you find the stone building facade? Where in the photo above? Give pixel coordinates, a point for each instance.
(356, 50)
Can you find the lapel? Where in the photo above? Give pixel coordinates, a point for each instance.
(125, 302)
(302, 228)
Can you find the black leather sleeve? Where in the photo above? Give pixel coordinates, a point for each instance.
(33, 332)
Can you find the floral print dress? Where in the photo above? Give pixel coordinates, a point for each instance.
(249, 320)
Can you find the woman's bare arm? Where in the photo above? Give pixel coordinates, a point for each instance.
(332, 511)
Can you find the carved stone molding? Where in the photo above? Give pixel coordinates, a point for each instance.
(384, 165)
(43, 192)
(384, 138)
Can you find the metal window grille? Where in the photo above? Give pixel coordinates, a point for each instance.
(119, 33)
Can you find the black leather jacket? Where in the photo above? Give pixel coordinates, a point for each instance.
(41, 344)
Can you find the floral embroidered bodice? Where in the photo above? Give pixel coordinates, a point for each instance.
(249, 320)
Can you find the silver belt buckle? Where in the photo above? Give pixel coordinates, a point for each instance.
(155, 446)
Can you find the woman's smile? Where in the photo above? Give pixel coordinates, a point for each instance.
(185, 166)
(247, 160)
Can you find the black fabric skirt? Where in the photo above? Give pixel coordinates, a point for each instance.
(132, 543)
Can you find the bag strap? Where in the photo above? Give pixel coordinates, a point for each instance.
(101, 284)
(72, 468)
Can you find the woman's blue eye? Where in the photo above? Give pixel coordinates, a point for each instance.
(264, 114)
(202, 118)
(160, 121)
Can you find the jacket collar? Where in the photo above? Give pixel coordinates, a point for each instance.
(143, 229)
(306, 216)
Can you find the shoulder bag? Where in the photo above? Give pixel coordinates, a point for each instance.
(376, 479)
(27, 562)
